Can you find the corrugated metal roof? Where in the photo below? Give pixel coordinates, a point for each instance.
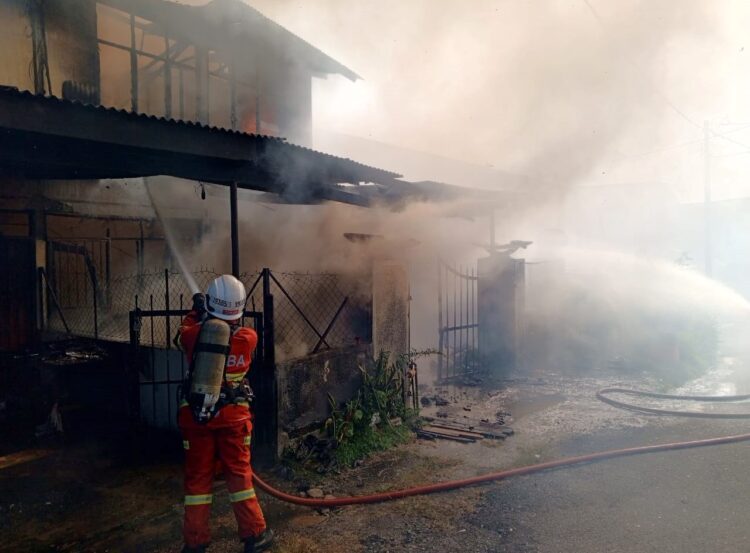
(367, 173)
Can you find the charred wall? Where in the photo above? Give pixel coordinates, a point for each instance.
(69, 27)
(304, 385)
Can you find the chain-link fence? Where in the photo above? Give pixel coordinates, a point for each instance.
(73, 286)
(313, 312)
(82, 304)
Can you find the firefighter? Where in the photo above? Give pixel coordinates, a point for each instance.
(214, 415)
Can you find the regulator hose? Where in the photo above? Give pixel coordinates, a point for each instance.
(539, 467)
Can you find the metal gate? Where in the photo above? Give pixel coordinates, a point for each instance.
(159, 366)
(74, 288)
(458, 340)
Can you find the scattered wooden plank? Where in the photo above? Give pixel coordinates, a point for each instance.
(484, 431)
(453, 432)
(442, 436)
(467, 433)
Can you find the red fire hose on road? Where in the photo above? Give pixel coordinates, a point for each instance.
(532, 469)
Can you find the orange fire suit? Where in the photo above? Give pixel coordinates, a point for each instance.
(226, 437)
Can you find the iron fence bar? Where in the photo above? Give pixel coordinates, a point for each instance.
(177, 343)
(43, 275)
(268, 389)
(153, 359)
(135, 342)
(455, 296)
(304, 317)
(167, 343)
(440, 318)
(474, 355)
(95, 292)
(234, 229)
(330, 325)
(462, 302)
(134, 325)
(108, 266)
(465, 331)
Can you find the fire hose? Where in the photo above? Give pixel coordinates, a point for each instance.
(539, 467)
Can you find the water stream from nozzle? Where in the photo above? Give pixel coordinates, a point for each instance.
(172, 243)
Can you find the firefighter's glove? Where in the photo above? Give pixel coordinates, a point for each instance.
(199, 303)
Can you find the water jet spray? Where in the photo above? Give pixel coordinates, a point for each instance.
(172, 243)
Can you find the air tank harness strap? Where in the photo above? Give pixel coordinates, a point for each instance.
(233, 394)
(212, 348)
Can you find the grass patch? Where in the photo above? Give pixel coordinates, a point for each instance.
(369, 440)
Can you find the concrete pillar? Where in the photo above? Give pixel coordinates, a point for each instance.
(390, 308)
(500, 293)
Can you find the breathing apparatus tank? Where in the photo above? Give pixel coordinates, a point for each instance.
(209, 361)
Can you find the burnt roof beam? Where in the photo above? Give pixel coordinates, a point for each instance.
(48, 138)
(205, 26)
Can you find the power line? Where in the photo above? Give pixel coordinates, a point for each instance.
(661, 149)
(733, 141)
(663, 96)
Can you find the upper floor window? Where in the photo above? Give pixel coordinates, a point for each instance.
(145, 68)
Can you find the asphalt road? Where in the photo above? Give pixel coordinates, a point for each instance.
(683, 501)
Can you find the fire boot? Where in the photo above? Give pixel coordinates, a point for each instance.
(259, 543)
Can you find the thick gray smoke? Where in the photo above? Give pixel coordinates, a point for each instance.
(543, 89)
(553, 94)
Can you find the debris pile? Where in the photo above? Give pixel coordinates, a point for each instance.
(462, 431)
(448, 418)
(72, 353)
(317, 449)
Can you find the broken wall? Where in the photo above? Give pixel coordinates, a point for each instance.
(304, 385)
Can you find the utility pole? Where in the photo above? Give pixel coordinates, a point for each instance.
(234, 229)
(707, 198)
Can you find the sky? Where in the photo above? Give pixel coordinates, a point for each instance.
(568, 92)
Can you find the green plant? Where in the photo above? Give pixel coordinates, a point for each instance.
(382, 389)
(366, 422)
(369, 440)
(341, 423)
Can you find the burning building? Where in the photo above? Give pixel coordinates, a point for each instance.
(95, 96)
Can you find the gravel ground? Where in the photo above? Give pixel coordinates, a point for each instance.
(688, 501)
(683, 501)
